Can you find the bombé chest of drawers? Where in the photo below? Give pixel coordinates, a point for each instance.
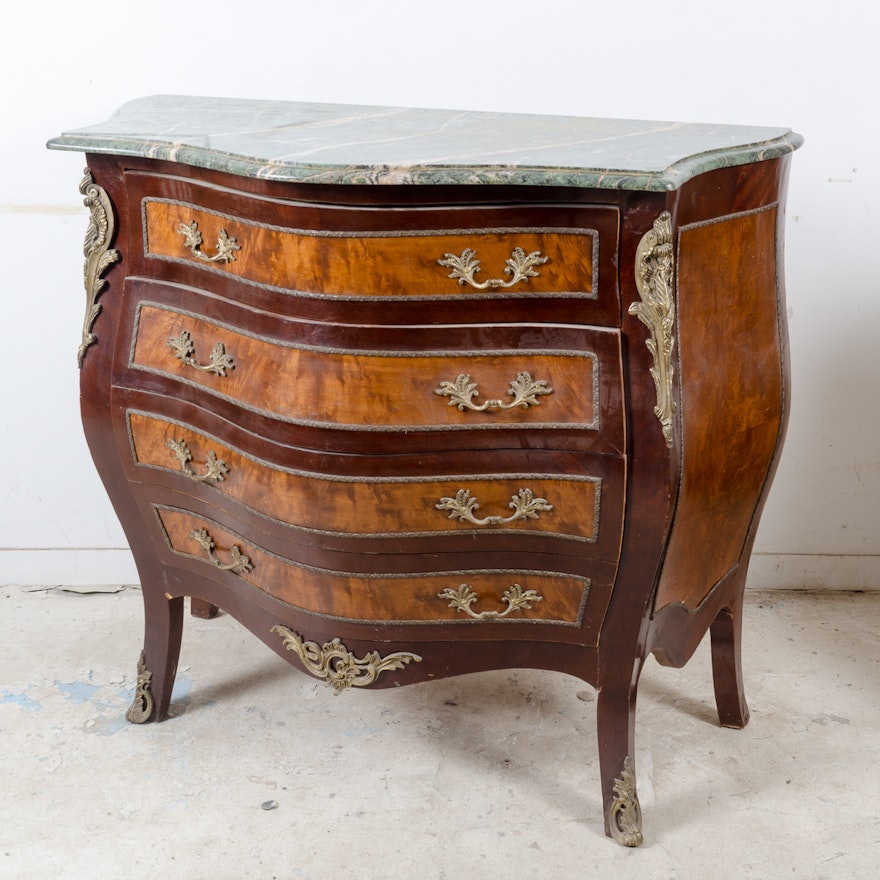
(418, 393)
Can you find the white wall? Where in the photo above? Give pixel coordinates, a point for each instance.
(808, 66)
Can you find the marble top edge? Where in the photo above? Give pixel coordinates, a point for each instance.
(361, 144)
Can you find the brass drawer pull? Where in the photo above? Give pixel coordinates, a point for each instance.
(185, 350)
(192, 239)
(525, 506)
(520, 266)
(240, 564)
(523, 389)
(515, 597)
(333, 662)
(215, 468)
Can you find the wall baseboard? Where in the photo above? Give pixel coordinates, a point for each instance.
(807, 571)
(105, 566)
(75, 567)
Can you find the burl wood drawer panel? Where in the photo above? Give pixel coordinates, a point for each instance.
(568, 505)
(376, 264)
(378, 390)
(470, 596)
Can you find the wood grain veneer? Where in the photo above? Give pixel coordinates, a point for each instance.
(374, 505)
(654, 320)
(397, 264)
(375, 390)
(728, 326)
(372, 597)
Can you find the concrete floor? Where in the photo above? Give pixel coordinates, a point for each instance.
(264, 773)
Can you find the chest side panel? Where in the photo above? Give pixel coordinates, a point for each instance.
(731, 395)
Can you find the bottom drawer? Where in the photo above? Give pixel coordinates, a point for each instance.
(468, 596)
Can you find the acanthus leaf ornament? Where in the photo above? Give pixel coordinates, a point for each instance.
(520, 266)
(185, 351)
(654, 270)
(525, 505)
(334, 663)
(240, 564)
(142, 705)
(515, 597)
(215, 468)
(625, 814)
(192, 240)
(523, 389)
(97, 252)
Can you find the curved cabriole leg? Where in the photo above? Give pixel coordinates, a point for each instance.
(726, 632)
(616, 710)
(157, 665)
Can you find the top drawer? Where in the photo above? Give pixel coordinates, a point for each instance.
(564, 254)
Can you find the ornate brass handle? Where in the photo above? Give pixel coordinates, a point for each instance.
(523, 389)
(520, 266)
(240, 564)
(525, 506)
(515, 597)
(333, 662)
(192, 239)
(215, 468)
(185, 350)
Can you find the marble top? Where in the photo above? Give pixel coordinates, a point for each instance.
(352, 144)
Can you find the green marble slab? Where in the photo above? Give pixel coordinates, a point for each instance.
(349, 144)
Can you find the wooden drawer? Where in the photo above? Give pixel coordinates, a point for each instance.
(582, 505)
(558, 258)
(395, 389)
(447, 597)
(396, 265)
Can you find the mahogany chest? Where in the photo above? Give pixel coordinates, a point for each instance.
(419, 393)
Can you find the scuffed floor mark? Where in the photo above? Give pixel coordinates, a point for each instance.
(110, 700)
(107, 725)
(20, 698)
(78, 692)
(180, 695)
(112, 718)
(96, 589)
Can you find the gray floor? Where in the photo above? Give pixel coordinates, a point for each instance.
(264, 773)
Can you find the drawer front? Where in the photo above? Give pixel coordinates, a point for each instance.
(519, 261)
(568, 506)
(379, 390)
(448, 597)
